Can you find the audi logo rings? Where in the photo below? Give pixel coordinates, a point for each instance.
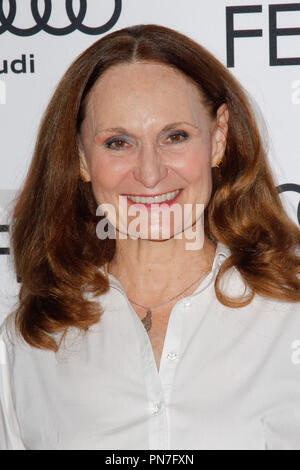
(76, 21)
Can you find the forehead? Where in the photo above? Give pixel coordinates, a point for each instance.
(149, 82)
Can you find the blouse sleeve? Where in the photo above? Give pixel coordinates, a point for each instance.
(10, 438)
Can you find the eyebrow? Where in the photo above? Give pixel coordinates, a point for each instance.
(166, 128)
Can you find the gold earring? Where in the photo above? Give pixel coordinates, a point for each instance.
(82, 178)
(219, 163)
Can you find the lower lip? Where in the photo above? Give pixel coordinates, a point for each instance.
(155, 205)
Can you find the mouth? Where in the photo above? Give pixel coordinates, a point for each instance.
(155, 200)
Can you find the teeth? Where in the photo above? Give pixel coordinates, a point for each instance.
(157, 199)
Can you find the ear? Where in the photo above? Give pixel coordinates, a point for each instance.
(84, 171)
(219, 134)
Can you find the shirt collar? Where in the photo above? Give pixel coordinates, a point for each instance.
(222, 252)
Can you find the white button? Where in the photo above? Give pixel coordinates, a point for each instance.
(156, 406)
(172, 355)
(187, 302)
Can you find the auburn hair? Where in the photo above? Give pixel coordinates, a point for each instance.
(56, 252)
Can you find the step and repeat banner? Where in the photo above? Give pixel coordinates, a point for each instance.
(258, 40)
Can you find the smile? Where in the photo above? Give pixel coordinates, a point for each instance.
(155, 199)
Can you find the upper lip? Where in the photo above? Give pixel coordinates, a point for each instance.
(153, 195)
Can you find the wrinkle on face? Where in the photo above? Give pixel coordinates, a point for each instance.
(145, 102)
(144, 98)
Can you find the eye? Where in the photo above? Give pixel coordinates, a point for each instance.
(119, 141)
(178, 137)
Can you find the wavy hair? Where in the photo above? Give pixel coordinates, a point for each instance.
(56, 254)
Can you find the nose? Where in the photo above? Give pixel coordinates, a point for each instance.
(150, 169)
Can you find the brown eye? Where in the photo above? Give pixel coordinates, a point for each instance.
(118, 144)
(178, 137)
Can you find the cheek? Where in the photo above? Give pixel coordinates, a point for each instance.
(107, 172)
(197, 165)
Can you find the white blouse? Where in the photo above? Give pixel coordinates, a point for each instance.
(229, 378)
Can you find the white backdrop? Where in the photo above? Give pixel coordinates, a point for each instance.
(34, 56)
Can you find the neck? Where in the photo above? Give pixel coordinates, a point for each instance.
(153, 270)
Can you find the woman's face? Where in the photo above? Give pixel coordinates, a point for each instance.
(146, 132)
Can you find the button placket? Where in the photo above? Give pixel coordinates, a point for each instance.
(158, 384)
(170, 353)
(158, 426)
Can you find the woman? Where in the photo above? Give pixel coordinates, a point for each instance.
(131, 339)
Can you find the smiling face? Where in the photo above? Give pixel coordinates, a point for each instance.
(146, 132)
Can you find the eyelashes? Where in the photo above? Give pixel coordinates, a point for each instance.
(179, 133)
(108, 143)
(122, 139)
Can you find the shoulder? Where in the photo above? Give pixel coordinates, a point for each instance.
(278, 307)
(271, 319)
(6, 343)
(14, 346)
(10, 340)
(267, 316)
(7, 331)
